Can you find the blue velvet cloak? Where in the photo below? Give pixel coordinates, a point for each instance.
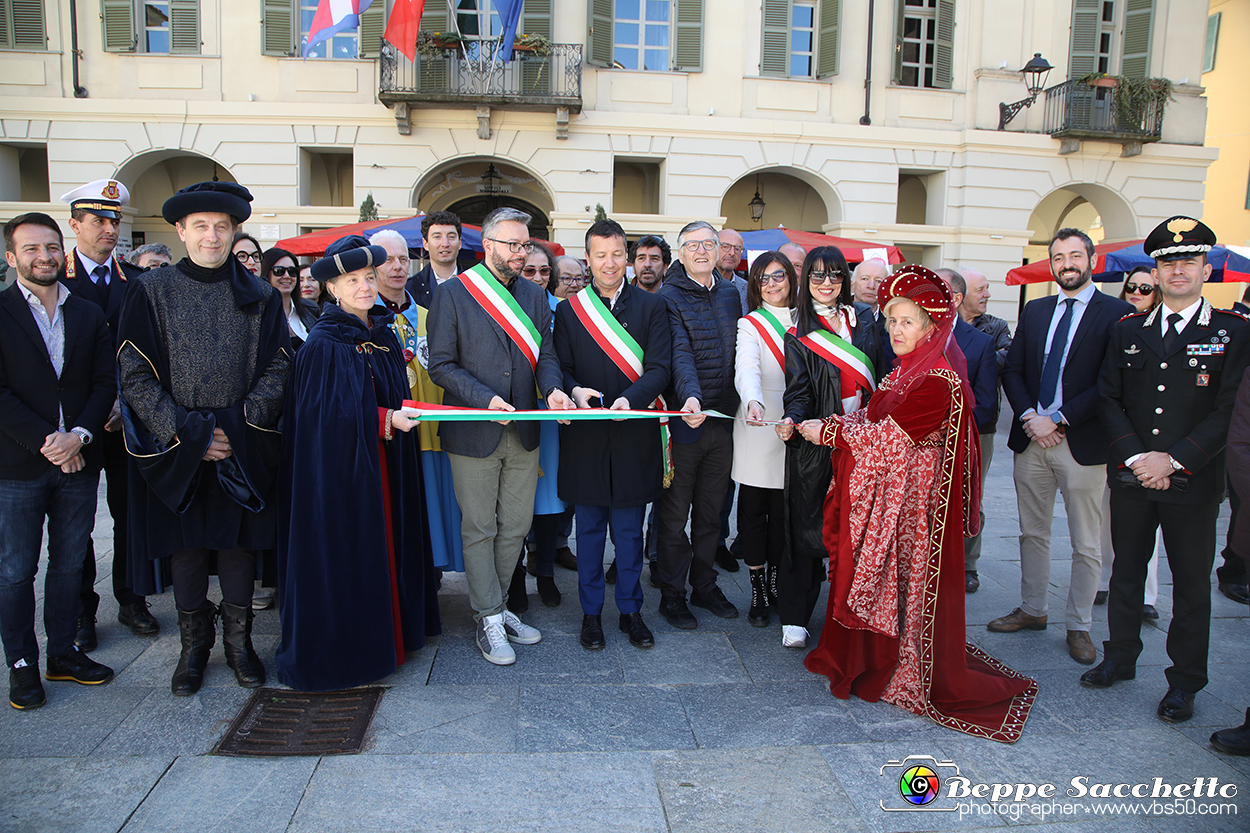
(335, 593)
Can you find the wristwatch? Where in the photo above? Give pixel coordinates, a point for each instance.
(83, 434)
(1176, 466)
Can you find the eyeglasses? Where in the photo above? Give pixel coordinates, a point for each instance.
(152, 266)
(772, 277)
(574, 279)
(285, 271)
(826, 277)
(1138, 289)
(514, 246)
(730, 247)
(531, 271)
(695, 245)
(252, 256)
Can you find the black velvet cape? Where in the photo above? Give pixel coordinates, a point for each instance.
(335, 592)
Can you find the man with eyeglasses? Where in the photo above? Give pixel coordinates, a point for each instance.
(94, 273)
(732, 249)
(651, 258)
(441, 233)
(572, 278)
(488, 330)
(703, 313)
(151, 256)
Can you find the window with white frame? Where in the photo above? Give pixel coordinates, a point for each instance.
(642, 31)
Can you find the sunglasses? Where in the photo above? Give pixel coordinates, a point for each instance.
(285, 271)
(1138, 289)
(531, 271)
(772, 277)
(826, 277)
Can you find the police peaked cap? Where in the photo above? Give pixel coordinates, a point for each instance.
(1179, 237)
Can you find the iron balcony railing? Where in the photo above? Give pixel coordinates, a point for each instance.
(471, 77)
(1088, 111)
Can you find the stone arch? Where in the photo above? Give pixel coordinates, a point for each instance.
(796, 198)
(155, 176)
(1072, 203)
(456, 184)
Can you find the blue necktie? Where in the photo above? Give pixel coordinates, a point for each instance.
(1054, 359)
(100, 276)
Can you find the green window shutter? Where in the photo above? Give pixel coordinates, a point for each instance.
(434, 73)
(184, 27)
(21, 24)
(536, 18)
(688, 37)
(827, 38)
(944, 45)
(775, 51)
(119, 25)
(535, 69)
(1213, 37)
(900, 11)
(278, 25)
(599, 36)
(372, 25)
(1136, 60)
(1083, 49)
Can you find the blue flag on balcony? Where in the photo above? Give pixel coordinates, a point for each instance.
(510, 19)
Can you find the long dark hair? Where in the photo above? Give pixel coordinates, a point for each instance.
(829, 259)
(755, 294)
(1154, 301)
(271, 257)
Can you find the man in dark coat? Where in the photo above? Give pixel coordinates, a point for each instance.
(703, 313)
(56, 388)
(205, 353)
(610, 470)
(1168, 385)
(440, 231)
(94, 273)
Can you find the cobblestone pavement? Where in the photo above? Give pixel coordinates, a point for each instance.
(717, 729)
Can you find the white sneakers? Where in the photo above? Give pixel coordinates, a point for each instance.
(793, 636)
(495, 632)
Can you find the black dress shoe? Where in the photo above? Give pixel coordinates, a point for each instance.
(1149, 612)
(971, 582)
(1233, 741)
(25, 689)
(640, 635)
(610, 576)
(566, 559)
(592, 633)
(85, 639)
(1239, 593)
(75, 666)
(653, 570)
(725, 559)
(1107, 673)
(1176, 706)
(714, 600)
(139, 619)
(547, 591)
(1100, 598)
(675, 611)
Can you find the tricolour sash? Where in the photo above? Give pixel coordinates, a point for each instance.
(771, 333)
(857, 370)
(503, 308)
(624, 351)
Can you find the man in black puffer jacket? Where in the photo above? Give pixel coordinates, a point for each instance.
(703, 313)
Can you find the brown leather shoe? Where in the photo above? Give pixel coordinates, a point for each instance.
(1080, 648)
(1017, 620)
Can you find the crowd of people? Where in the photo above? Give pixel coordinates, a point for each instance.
(252, 418)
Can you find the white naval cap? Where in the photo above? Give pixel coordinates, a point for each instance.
(103, 196)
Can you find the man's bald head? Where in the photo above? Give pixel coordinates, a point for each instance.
(731, 251)
(867, 278)
(977, 298)
(794, 253)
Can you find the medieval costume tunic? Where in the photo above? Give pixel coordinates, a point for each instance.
(905, 492)
(356, 585)
(182, 375)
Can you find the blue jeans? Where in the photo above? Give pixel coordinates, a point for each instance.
(68, 501)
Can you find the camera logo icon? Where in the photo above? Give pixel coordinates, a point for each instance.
(918, 784)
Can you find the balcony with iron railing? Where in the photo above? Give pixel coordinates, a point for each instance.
(1095, 109)
(469, 74)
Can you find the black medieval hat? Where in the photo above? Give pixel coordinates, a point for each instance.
(347, 254)
(211, 197)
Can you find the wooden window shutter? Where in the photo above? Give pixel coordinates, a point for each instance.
(944, 45)
(900, 11)
(535, 69)
(184, 27)
(1137, 17)
(688, 37)
(372, 26)
(536, 18)
(21, 24)
(775, 50)
(279, 33)
(1083, 48)
(1213, 38)
(827, 38)
(599, 36)
(434, 73)
(119, 25)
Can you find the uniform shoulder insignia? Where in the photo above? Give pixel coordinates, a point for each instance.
(1133, 315)
(1235, 313)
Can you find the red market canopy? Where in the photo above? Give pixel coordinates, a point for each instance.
(315, 242)
(853, 250)
(1039, 270)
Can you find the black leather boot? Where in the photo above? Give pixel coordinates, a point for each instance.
(236, 638)
(758, 614)
(198, 636)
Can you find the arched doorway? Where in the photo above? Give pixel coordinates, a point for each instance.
(155, 177)
(473, 210)
(791, 199)
(472, 187)
(1094, 209)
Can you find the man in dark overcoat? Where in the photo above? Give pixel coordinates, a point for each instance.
(610, 470)
(1168, 385)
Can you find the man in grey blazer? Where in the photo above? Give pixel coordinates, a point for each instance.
(487, 329)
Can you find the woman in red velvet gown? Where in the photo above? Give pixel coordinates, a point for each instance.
(895, 517)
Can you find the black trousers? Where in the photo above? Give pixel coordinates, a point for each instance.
(1233, 570)
(761, 525)
(115, 463)
(798, 589)
(1189, 538)
(236, 572)
(700, 479)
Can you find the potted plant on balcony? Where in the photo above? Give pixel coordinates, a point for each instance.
(1132, 96)
(437, 44)
(537, 44)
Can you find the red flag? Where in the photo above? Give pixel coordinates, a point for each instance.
(401, 29)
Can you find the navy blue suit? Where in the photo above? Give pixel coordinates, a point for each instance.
(978, 349)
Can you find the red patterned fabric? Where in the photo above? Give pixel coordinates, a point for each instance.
(894, 528)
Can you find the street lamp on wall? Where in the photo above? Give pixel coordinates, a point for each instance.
(757, 203)
(1034, 72)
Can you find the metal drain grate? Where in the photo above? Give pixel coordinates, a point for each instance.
(276, 722)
